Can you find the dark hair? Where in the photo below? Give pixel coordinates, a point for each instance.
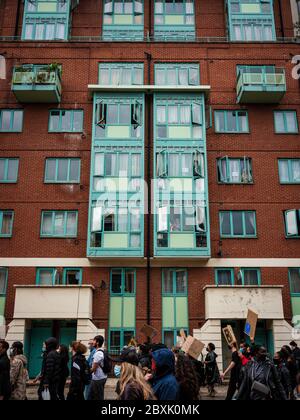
(298, 379)
(293, 344)
(4, 344)
(79, 347)
(64, 353)
(99, 340)
(211, 346)
(17, 346)
(287, 349)
(187, 378)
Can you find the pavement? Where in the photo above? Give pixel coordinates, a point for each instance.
(111, 395)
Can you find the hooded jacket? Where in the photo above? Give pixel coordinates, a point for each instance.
(164, 384)
(50, 374)
(4, 376)
(18, 377)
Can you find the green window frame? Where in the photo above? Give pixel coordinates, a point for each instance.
(123, 282)
(9, 169)
(118, 74)
(75, 273)
(119, 119)
(3, 281)
(174, 18)
(46, 20)
(249, 277)
(177, 74)
(59, 224)
(286, 122)
(231, 121)
(6, 223)
(238, 224)
(224, 276)
(62, 170)
(251, 21)
(292, 223)
(119, 338)
(294, 280)
(289, 171)
(66, 121)
(11, 120)
(174, 282)
(235, 170)
(51, 278)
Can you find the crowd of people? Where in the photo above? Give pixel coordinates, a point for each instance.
(150, 372)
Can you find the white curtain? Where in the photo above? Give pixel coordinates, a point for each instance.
(237, 33)
(296, 170)
(136, 165)
(104, 76)
(161, 115)
(248, 33)
(291, 223)
(116, 76)
(187, 164)
(111, 164)
(47, 224)
(185, 114)
(39, 31)
(99, 164)
(235, 170)
(50, 31)
(174, 165)
(291, 122)
(60, 30)
(135, 220)
(122, 220)
(71, 223)
(97, 219)
(284, 171)
(171, 77)
(173, 114)
(123, 165)
(279, 122)
(162, 219)
(183, 77)
(59, 219)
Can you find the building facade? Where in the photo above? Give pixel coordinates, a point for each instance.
(149, 170)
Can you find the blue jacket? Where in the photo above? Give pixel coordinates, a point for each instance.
(90, 358)
(165, 385)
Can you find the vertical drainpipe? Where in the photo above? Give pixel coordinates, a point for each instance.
(281, 19)
(17, 18)
(150, 20)
(148, 183)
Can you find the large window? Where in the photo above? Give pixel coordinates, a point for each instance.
(178, 74)
(224, 276)
(46, 20)
(123, 281)
(238, 224)
(289, 171)
(72, 276)
(286, 122)
(59, 224)
(249, 277)
(6, 223)
(294, 277)
(46, 276)
(123, 19)
(11, 120)
(3, 282)
(116, 74)
(66, 121)
(292, 223)
(174, 18)
(235, 170)
(9, 170)
(231, 122)
(62, 170)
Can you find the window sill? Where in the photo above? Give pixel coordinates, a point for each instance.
(239, 237)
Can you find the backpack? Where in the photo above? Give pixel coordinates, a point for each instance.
(107, 363)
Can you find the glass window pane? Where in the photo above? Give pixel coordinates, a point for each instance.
(71, 223)
(251, 277)
(54, 120)
(174, 165)
(51, 169)
(279, 122)
(2, 169)
(2, 282)
(169, 339)
(46, 277)
(47, 224)
(74, 170)
(250, 223)
(220, 121)
(99, 164)
(18, 120)
(295, 280)
(104, 76)
(59, 219)
(135, 220)
(284, 171)
(231, 121)
(168, 281)
(296, 170)
(129, 281)
(237, 220)
(6, 227)
(50, 32)
(116, 281)
(128, 335)
(123, 165)
(224, 277)
(78, 121)
(181, 282)
(175, 219)
(161, 115)
(60, 31)
(243, 121)
(187, 164)
(112, 114)
(235, 170)
(122, 220)
(125, 114)
(291, 122)
(111, 164)
(225, 224)
(6, 120)
(173, 114)
(183, 77)
(12, 169)
(115, 341)
(62, 171)
(136, 165)
(66, 119)
(73, 277)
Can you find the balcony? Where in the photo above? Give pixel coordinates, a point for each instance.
(233, 302)
(37, 84)
(53, 302)
(262, 84)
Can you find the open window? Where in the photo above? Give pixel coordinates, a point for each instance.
(246, 175)
(222, 169)
(161, 164)
(199, 166)
(200, 219)
(136, 114)
(162, 219)
(97, 219)
(108, 7)
(292, 223)
(138, 7)
(101, 114)
(196, 114)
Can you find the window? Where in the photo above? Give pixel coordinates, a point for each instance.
(9, 170)
(46, 20)
(62, 170)
(177, 74)
(249, 277)
(11, 120)
(292, 223)
(235, 171)
(174, 18)
(66, 121)
(176, 120)
(123, 281)
(72, 276)
(118, 339)
(238, 224)
(286, 122)
(119, 119)
(117, 74)
(3, 281)
(60, 224)
(294, 277)
(123, 19)
(6, 223)
(224, 276)
(46, 276)
(289, 171)
(231, 122)
(174, 282)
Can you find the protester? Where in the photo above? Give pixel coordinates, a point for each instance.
(92, 351)
(290, 363)
(18, 372)
(187, 379)
(245, 353)
(144, 357)
(50, 373)
(296, 354)
(261, 381)
(297, 389)
(64, 371)
(164, 383)
(283, 373)
(212, 374)
(234, 368)
(80, 372)
(99, 378)
(5, 388)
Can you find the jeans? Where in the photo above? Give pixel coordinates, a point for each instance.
(96, 392)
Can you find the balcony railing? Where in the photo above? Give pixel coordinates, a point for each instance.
(37, 83)
(261, 85)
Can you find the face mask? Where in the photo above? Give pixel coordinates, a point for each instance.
(241, 350)
(117, 371)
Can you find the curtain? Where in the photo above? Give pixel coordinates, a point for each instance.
(6, 224)
(50, 31)
(220, 121)
(108, 7)
(175, 219)
(296, 170)
(104, 76)
(174, 165)
(161, 115)
(159, 6)
(258, 33)
(136, 165)
(126, 76)
(111, 164)
(162, 219)
(237, 33)
(135, 220)
(224, 277)
(235, 170)
(187, 164)
(279, 122)
(168, 281)
(45, 278)
(99, 164)
(97, 219)
(250, 223)
(122, 220)
(71, 223)
(39, 31)
(123, 165)
(183, 77)
(201, 219)
(62, 169)
(248, 33)
(268, 33)
(173, 114)
(250, 278)
(59, 219)
(291, 122)
(291, 223)
(116, 76)
(243, 126)
(185, 114)
(284, 171)
(47, 224)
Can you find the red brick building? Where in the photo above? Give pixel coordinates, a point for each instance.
(200, 97)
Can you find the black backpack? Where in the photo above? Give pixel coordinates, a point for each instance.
(107, 362)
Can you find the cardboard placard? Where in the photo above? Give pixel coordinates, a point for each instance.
(229, 335)
(148, 331)
(251, 323)
(183, 334)
(193, 347)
